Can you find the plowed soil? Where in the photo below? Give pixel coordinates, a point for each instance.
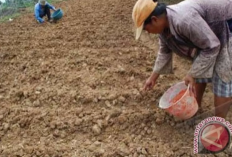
(73, 88)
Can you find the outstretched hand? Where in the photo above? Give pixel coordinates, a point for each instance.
(150, 82)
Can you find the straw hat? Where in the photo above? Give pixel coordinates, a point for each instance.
(141, 11)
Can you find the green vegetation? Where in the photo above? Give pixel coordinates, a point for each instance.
(7, 17)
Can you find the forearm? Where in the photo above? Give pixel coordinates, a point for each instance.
(38, 18)
(51, 7)
(163, 64)
(155, 75)
(203, 65)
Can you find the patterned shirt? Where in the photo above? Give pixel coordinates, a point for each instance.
(198, 30)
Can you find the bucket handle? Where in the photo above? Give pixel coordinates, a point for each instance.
(188, 91)
(191, 91)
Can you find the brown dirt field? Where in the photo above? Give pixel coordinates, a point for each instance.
(73, 88)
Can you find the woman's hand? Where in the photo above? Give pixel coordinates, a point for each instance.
(151, 81)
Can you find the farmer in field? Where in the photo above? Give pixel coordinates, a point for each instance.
(197, 30)
(42, 8)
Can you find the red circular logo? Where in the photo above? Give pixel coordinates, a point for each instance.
(215, 137)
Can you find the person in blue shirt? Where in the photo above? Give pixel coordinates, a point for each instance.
(42, 8)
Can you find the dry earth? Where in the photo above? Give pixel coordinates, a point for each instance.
(73, 88)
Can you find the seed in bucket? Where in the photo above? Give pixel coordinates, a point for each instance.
(178, 96)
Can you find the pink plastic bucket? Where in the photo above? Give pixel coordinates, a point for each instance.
(185, 108)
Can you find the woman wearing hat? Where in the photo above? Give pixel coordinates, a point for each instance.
(42, 8)
(197, 30)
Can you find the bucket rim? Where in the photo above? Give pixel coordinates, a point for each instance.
(182, 82)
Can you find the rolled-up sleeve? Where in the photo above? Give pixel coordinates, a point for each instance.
(163, 63)
(199, 33)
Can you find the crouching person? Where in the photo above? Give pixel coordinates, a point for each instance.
(42, 8)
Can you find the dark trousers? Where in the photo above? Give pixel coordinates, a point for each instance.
(46, 12)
